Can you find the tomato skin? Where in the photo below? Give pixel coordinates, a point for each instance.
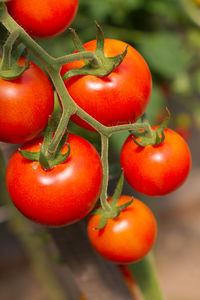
(45, 18)
(62, 195)
(25, 105)
(156, 170)
(127, 238)
(119, 98)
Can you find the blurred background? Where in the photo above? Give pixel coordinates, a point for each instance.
(167, 34)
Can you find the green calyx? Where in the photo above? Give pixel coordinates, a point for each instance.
(46, 159)
(9, 68)
(114, 210)
(98, 66)
(149, 136)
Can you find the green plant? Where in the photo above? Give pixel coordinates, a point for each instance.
(55, 152)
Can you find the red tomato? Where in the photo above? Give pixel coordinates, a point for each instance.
(44, 18)
(127, 238)
(118, 98)
(62, 195)
(25, 105)
(156, 170)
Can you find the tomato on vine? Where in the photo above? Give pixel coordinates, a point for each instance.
(62, 195)
(118, 98)
(25, 105)
(45, 18)
(156, 170)
(126, 238)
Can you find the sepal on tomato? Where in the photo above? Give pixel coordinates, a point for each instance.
(100, 66)
(9, 67)
(46, 159)
(150, 136)
(115, 210)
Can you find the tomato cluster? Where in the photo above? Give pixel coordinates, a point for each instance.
(68, 191)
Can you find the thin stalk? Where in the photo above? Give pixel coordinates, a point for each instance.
(69, 108)
(108, 131)
(145, 274)
(77, 56)
(104, 158)
(7, 49)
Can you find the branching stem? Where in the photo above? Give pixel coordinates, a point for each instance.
(69, 107)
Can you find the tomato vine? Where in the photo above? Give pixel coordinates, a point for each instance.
(93, 62)
(53, 67)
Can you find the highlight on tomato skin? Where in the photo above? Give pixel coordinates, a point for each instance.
(118, 98)
(45, 18)
(156, 170)
(127, 238)
(62, 195)
(26, 104)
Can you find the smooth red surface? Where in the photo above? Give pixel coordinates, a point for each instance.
(120, 97)
(156, 170)
(127, 238)
(25, 105)
(62, 195)
(43, 18)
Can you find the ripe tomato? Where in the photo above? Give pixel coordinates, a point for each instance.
(127, 238)
(156, 170)
(118, 98)
(62, 195)
(25, 105)
(45, 18)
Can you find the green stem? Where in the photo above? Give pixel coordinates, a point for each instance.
(69, 108)
(145, 274)
(77, 56)
(108, 131)
(7, 49)
(104, 158)
(53, 66)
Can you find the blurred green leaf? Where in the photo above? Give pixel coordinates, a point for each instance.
(197, 115)
(196, 81)
(116, 142)
(182, 84)
(156, 105)
(168, 9)
(101, 12)
(193, 36)
(165, 53)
